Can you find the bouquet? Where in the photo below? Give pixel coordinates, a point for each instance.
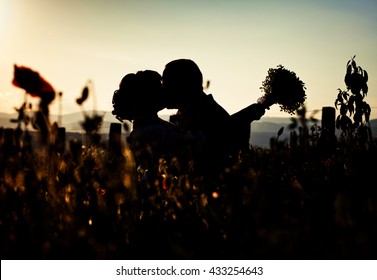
(283, 87)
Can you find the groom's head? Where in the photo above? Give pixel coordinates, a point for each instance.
(182, 80)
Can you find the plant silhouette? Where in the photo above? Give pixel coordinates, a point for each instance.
(351, 102)
(288, 201)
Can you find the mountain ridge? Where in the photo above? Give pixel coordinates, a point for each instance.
(261, 131)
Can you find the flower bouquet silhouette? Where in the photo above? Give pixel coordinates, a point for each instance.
(283, 87)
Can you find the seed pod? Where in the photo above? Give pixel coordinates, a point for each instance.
(84, 96)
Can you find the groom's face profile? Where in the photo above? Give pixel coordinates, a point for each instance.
(181, 80)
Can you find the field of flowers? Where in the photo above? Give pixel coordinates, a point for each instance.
(311, 197)
(89, 200)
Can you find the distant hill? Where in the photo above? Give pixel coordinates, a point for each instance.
(70, 121)
(266, 128)
(261, 131)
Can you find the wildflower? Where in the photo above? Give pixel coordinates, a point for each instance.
(84, 96)
(33, 83)
(92, 123)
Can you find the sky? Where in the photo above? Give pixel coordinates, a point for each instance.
(233, 42)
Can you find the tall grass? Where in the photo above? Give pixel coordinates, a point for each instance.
(292, 200)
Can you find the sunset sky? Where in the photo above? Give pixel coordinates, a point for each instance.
(233, 42)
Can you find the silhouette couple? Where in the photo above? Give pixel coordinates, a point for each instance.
(201, 129)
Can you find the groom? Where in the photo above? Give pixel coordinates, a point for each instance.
(198, 113)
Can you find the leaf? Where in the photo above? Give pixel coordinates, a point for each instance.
(368, 107)
(365, 90)
(351, 109)
(350, 105)
(343, 109)
(351, 100)
(357, 117)
(348, 79)
(345, 122)
(365, 76)
(354, 66)
(367, 116)
(338, 103)
(337, 122)
(281, 130)
(340, 98)
(367, 111)
(349, 69)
